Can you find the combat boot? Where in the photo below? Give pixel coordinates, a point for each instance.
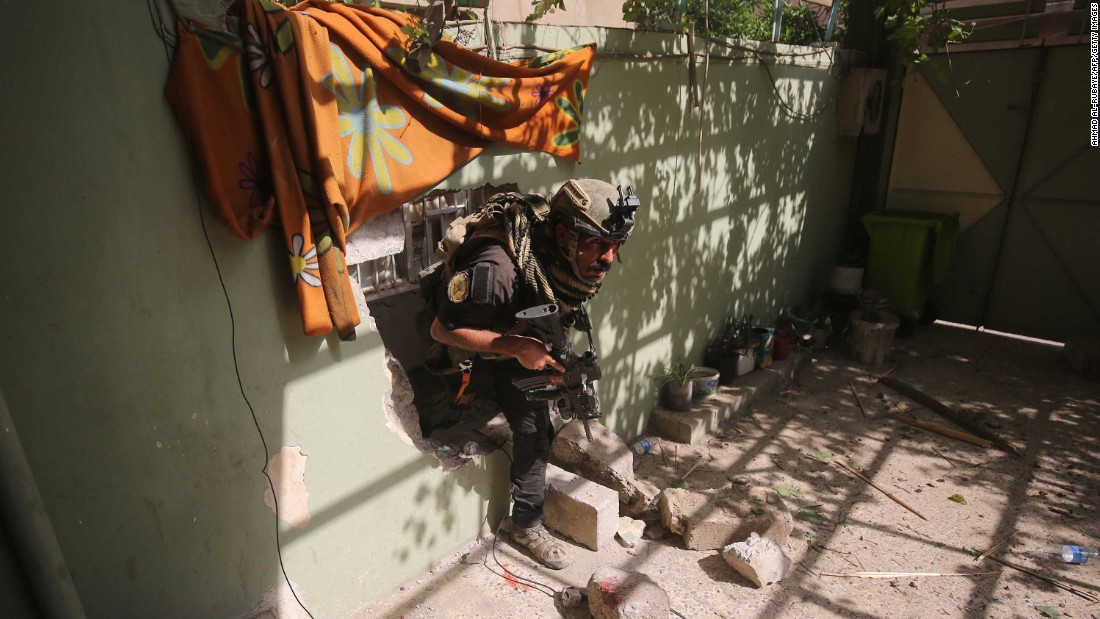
(543, 547)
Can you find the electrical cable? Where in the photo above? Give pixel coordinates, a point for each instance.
(158, 18)
(541, 587)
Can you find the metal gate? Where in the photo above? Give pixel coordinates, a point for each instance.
(1002, 137)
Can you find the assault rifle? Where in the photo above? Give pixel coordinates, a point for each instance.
(574, 391)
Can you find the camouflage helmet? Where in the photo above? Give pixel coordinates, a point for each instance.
(597, 208)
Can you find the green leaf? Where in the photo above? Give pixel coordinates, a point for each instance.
(855, 465)
(822, 454)
(958, 498)
(788, 490)
(757, 498)
(756, 511)
(811, 514)
(1049, 611)
(912, 430)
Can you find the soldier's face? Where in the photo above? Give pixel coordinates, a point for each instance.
(595, 255)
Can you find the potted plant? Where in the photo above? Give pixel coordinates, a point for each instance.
(731, 352)
(675, 384)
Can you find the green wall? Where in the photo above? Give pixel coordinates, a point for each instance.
(117, 362)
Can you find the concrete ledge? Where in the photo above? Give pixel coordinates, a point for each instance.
(706, 415)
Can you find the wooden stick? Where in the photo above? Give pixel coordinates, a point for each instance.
(692, 469)
(858, 401)
(943, 430)
(1074, 590)
(995, 547)
(884, 374)
(943, 456)
(878, 487)
(902, 574)
(947, 412)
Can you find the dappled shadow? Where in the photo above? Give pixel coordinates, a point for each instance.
(1019, 390)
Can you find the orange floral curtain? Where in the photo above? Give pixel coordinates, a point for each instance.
(310, 119)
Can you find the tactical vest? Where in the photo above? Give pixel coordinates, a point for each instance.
(488, 222)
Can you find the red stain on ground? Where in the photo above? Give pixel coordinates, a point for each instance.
(512, 581)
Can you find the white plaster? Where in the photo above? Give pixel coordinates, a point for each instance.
(287, 469)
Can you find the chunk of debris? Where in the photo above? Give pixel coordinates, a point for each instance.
(571, 597)
(606, 460)
(630, 530)
(711, 519)
(623, 594)
(579, 509)
(759, 559)
(654, 530)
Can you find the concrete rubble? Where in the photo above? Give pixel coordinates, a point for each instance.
(624, 594)
(759, 559)
(630, 530)
(711, 519)
(606, 460)
(579, 509)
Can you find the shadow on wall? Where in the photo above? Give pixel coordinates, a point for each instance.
(750, 226)
(745, 228)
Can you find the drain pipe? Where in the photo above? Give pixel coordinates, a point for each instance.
(21, 509)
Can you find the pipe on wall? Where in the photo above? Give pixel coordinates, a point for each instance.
(22, 510)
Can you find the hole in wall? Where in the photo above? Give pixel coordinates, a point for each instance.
(421, 405)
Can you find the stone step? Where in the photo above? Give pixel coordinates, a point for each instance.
(691, 427)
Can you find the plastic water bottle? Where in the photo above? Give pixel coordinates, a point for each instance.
(645, 445)
(1068, 554)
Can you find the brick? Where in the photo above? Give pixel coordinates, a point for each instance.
(711, 519)
(606, 460)
(759, 559)
(579, 509)
(624, 594)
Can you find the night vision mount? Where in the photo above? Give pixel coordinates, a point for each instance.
(620, 223)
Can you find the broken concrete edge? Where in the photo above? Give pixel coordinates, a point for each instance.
(711, 519)
(403, 420)
(606, 460)
(691, 427)
(758, 558)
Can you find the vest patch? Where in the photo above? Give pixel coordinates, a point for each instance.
(482, 284)
(459, 287)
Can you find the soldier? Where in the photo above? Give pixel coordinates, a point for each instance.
(519, 252)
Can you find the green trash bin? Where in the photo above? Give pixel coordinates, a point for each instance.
(910, 251)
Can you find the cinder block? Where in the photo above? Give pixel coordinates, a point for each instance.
(623, 594)
(688, 427)
(606, 460)
(582, 510)
(759, 559)
(709, 520)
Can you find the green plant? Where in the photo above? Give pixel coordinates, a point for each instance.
(909, 28)
(675, 374)
(540, 8)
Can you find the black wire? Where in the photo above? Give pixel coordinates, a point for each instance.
(541, 587)
(791, 111)
(233, 342)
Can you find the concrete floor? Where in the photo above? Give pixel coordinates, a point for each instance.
(1021, 390)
